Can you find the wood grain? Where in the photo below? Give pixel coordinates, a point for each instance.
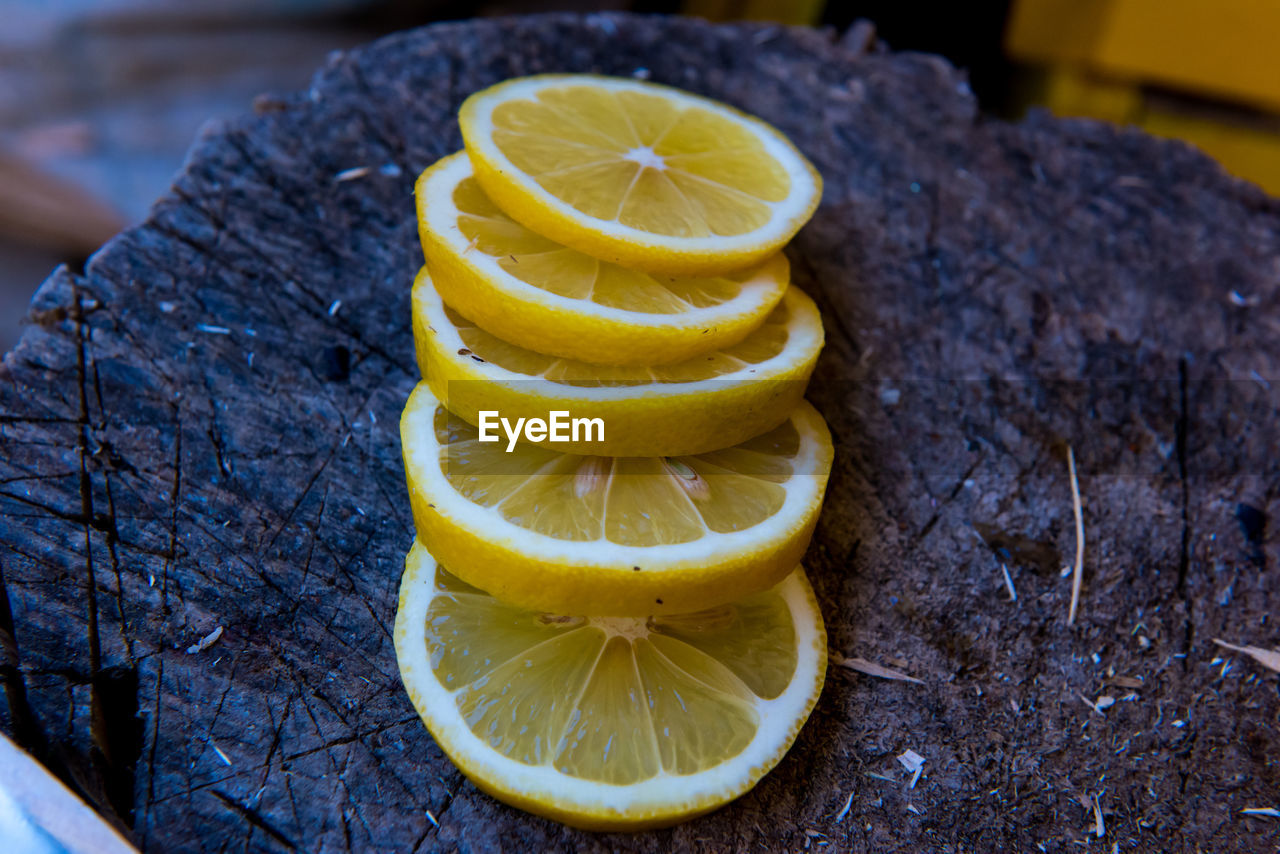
(191, 438)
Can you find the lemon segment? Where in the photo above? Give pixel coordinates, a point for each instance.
(613, 535)
(609, 723)
(637, 174)
(546, 297)
(691, 407)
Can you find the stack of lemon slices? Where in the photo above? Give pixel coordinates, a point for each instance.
(606, 623)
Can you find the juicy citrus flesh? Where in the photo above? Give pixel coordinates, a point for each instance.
(547, 297)
(613, 535)
(642, 160)
(690, 407)
(609, 722)
(644, 175)
(634, 501)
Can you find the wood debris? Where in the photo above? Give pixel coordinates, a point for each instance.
(205, 642)
(1091, 704)
(1008, 582)
(1077, 574)
(914, 763)
(1269, 812)
(1124, 682)
(351, 174)
(870, 668)
(1268, 658)
(844, 811)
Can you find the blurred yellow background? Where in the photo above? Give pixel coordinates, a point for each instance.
(1207, 71)
(99, 99)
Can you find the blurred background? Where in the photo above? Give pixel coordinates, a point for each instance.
(100, 99)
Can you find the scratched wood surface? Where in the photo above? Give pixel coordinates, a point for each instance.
(199, 432)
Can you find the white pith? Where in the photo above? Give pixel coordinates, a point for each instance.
(663, 794)
(646, 157)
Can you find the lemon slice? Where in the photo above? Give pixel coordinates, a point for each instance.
(615, 723)
(702, 404)
(552, 299)
(642, 175)
(613, 535)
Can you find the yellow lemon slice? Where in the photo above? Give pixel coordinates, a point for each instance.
(536, 293)
(609, 723)
(701, 404)
(613, 535)
(637, 174)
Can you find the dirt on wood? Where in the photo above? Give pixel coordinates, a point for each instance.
(204, 513)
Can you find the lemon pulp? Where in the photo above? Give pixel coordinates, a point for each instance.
(639, 174)
(566, 272)
(760, 346)
(534, 292)
(631, 501)
(711, 401)
(643, 160)
(613, 535)
(608, 722)
(613, 699)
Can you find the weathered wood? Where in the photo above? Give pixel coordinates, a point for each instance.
(185, 446)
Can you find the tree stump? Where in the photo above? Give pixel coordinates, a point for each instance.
(200, 434)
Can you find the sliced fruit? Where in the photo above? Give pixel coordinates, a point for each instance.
(613, 535)
(641, 175)
(539, 294)
(698, 405)
(613, 723)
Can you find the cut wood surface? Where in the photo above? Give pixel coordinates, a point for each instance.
(204, 511)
